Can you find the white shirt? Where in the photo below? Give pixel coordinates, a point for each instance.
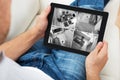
(10, 70)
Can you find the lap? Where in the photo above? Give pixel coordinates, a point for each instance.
(57, 63)
(72, 65)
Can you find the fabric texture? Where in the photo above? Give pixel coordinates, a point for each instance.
(60, 65)
(16, 72)
(94, 4)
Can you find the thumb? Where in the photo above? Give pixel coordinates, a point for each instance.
(98, 47)
(104, 50)
(46, 12)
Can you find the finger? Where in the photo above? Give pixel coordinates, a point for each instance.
(104, 50)
(46, 12)
(98, 47)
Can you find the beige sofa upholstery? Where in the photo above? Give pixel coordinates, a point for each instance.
(24, 12)
(112, 69)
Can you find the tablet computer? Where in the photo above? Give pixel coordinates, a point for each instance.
(74, 29)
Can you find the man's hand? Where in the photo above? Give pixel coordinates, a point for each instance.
(5, 7)
(96, 61)
(42, 22)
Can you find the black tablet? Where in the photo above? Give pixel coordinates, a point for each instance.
(74, 29)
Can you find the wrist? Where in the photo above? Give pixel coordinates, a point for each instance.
(36, 33)
(91, 76)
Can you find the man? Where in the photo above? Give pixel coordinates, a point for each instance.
(18, 46)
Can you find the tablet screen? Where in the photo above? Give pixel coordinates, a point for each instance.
(74, 29)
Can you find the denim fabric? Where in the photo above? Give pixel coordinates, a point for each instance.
(40, 57)
(91, 4)
(71, 65)
(60, 65)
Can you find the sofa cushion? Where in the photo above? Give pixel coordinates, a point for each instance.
(112, 69)
(23, 12)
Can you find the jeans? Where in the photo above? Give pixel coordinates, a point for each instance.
(60, 65)
(91, 4)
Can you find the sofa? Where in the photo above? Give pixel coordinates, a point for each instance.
(24, 14)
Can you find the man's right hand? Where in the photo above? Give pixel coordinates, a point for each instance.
(5, 12)
(96, 60)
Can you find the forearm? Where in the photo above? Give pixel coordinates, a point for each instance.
(18, 46)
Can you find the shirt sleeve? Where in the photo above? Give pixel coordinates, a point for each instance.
(10, 70)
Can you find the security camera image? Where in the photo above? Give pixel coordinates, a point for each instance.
(73, 29)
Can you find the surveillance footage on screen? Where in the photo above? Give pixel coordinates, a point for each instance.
(77, 30)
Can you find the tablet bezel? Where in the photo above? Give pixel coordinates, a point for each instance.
(50, 17)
